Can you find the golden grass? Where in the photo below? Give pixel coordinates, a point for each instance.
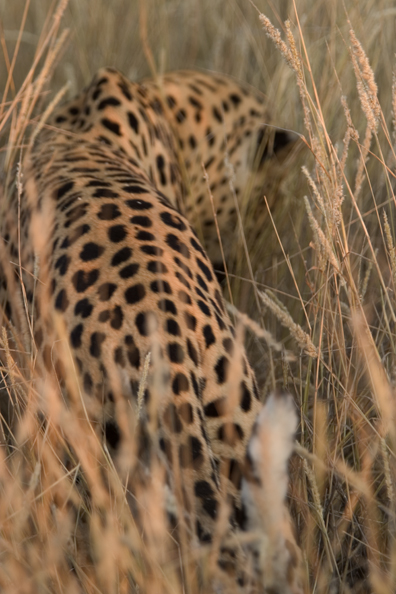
(327, 252)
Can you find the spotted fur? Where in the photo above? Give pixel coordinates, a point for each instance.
(104, 192)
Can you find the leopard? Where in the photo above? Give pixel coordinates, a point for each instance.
(230, 146)
(102, 225)
(222, 135)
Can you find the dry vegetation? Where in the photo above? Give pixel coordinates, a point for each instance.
(324, 268)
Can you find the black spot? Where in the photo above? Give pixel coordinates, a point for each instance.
(83, 308)
(281, 140)
(245, 398)
(172, 327)
(174, 242)
(172, 220)
(254, 113)
(112, 126)
(210, 506)
(108, 101)
(194, 102)
(236, 99)
(220, 322)
(183, 280)
(61, 301)
(144, 236)
(62, 190)
(124, 90)
(180, 384)
(109, 212)
(95, 348)
(192, 353)
(146, 323)
(88, 383)
(216, 408)
(62, 264)
(102, 81)
(142, 221)
(129, 271)
(121, 256)
(170, 101)
(196, 386)
(204, 308)
(135, 294)
(161, 286)
(197, 247)
(119, 356)
(221, 369)
(217, 114)
(133, 122)
(106, 290)
(191, 321)
(207, 164)
(75, 336)
(91, 251)
(205, 269)
(175, 352)
(235, 475)
(156, 267)
(117, 233)
(202, 283)
(167, 306)
(104, 316)
(144, 145)
(199, 293)
(133, 353)
(83, 280)
(112, 434)
(161, 166)
(196, 447)
(208, 335)
(228, 345)
(104, 193)
(152, 250)
(181, 116)
(117, 318)
(203, 489)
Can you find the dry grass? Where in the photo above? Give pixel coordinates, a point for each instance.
(329, 260)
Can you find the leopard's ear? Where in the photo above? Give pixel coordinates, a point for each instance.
(271, 141)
